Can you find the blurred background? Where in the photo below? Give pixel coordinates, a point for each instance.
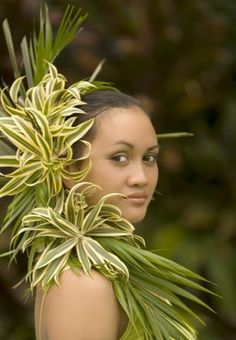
(179, 57)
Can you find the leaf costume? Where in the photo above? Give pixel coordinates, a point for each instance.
(55, 226)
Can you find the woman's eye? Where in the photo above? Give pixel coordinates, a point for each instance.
(120, 158)
(150, 158)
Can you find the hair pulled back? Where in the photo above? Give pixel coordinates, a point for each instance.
(99, 101)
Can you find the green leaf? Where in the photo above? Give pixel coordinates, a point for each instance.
(9, 107)
(42, 47)
(13, 187)
(97, 70)
(174, 135)
(45, 151)
(99, 255)
(10, 46)
(9, 161)
(62, 224)
(21, 204)
(55, 253)
(14, 89)
(19, 140)
(54, 269)
(71, 210)
(27, 62)
(68, 28)
(107, 231)
(73, 134)
(83, 257)
(26, 170)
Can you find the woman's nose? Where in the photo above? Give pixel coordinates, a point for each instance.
(137, 176)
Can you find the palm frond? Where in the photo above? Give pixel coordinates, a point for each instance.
(158, 290)
(43, 46)
(174, 135)
(10, 46)
(68, 29)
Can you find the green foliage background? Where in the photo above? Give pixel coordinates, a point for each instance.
(179, 57)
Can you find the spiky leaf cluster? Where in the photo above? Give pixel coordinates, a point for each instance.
(42, 129)
(52, 236)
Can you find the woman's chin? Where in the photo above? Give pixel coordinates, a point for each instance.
(134, 216)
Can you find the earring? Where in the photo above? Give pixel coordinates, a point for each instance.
(156, 192)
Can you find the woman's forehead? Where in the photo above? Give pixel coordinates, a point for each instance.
(115, 115)
(124, 123)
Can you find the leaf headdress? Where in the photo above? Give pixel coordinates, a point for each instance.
(56, 227)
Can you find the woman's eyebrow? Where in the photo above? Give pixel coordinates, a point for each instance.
(123, 142)
(131, 146)
(156, 146)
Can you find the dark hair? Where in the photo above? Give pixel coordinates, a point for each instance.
(101, 100)
(98, 102)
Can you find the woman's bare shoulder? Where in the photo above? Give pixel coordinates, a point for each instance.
(81, 292)
(79, 302)
(74, 286)
(80, 280)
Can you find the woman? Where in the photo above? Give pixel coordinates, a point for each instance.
(95, 280)
(124, 152)
(83, 255)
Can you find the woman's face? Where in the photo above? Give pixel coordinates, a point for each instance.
(123, 154)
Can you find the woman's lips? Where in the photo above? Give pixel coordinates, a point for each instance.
(137, 198)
